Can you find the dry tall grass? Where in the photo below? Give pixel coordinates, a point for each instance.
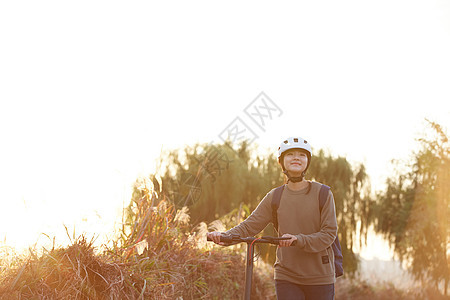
(156, 257)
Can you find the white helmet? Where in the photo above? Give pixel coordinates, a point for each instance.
(294, 143)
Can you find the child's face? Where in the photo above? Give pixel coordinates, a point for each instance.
(295, 161)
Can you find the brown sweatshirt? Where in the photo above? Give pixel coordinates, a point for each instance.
(311, 260)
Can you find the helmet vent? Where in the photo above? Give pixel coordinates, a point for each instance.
(295, 140)
(286, 141)
(305, 142)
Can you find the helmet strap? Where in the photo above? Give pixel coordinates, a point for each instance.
(294, 179)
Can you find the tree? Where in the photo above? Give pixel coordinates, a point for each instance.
(413, 211)
(214, 179)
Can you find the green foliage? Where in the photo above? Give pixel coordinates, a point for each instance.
(413, 211)
(225, 179)
(213, 180)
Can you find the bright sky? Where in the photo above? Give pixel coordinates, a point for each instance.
(92, 91)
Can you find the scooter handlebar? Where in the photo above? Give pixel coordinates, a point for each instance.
(235, 239)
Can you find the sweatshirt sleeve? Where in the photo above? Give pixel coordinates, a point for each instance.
(257, 220)
(321, 240)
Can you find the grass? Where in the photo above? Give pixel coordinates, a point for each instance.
(355, 289)
(74, 272)
(156, 256)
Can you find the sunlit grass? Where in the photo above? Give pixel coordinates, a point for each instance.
(155, 256)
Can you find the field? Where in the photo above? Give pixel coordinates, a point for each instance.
(156, 257)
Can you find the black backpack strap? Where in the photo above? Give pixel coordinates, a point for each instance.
(276, 198)
(323, 196)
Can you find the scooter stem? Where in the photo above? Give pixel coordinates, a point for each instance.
(249, 270)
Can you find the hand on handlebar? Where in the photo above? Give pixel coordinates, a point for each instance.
(287, 243)
(215, 237)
